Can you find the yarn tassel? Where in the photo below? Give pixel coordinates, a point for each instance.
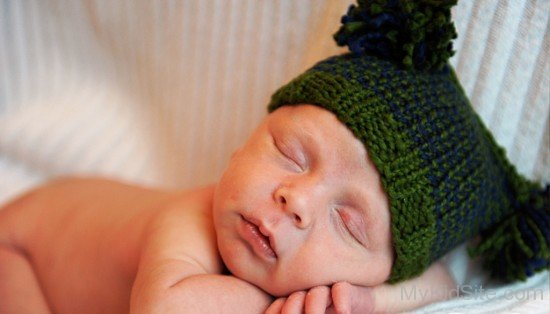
(415, 34)
(519, 245)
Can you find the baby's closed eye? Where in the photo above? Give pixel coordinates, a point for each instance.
(353, 223)
(291, 152)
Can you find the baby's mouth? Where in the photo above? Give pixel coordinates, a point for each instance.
(261, 243)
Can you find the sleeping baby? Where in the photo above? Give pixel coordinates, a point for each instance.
(300, 206)
(369, 167)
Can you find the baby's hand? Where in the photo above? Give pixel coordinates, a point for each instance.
(342, 297)
(434, 285)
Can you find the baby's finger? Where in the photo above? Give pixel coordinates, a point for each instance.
(348, 298)
(276, 306)
(341, 294)
(317, 300)
(294, 303)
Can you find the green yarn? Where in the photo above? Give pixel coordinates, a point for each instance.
(519, 245)
(391, 149)
(446, 178)
(502, 245)
(415, 34)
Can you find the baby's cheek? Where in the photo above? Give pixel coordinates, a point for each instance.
(315, 270)
(329, 264)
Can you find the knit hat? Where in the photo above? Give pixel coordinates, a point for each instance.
(446, 178)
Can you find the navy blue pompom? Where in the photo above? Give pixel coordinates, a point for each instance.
(415, 34)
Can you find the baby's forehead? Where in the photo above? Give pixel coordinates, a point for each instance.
(309, 120)
(318, 124)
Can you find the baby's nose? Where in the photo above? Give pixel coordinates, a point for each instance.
(298, 203)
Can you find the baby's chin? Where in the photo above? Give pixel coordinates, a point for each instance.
(281, 288)
(276, 288)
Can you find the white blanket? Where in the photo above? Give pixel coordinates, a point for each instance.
(161, 93)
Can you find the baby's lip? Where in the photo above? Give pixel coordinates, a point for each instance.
(264, 230)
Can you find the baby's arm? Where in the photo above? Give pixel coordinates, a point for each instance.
(179, 271)
(20, 291)
(434, 285)
(195, 292)
(182, 286)
(19, 288)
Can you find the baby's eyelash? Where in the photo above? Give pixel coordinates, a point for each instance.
(344, 219)
(286, 155)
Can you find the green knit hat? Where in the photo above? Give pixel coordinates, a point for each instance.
(446, 178)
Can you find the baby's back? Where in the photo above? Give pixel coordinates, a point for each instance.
(83, 239)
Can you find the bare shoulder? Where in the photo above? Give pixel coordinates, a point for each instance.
(19, 214)
(48, 210)
(183, 231)
(66, 189)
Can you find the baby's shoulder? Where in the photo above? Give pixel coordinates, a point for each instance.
(183, 230)
(184, 210)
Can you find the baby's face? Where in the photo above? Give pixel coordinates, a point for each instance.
(302, 205)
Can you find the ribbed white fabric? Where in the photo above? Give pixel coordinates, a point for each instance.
(161, 92)
(199, 73)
